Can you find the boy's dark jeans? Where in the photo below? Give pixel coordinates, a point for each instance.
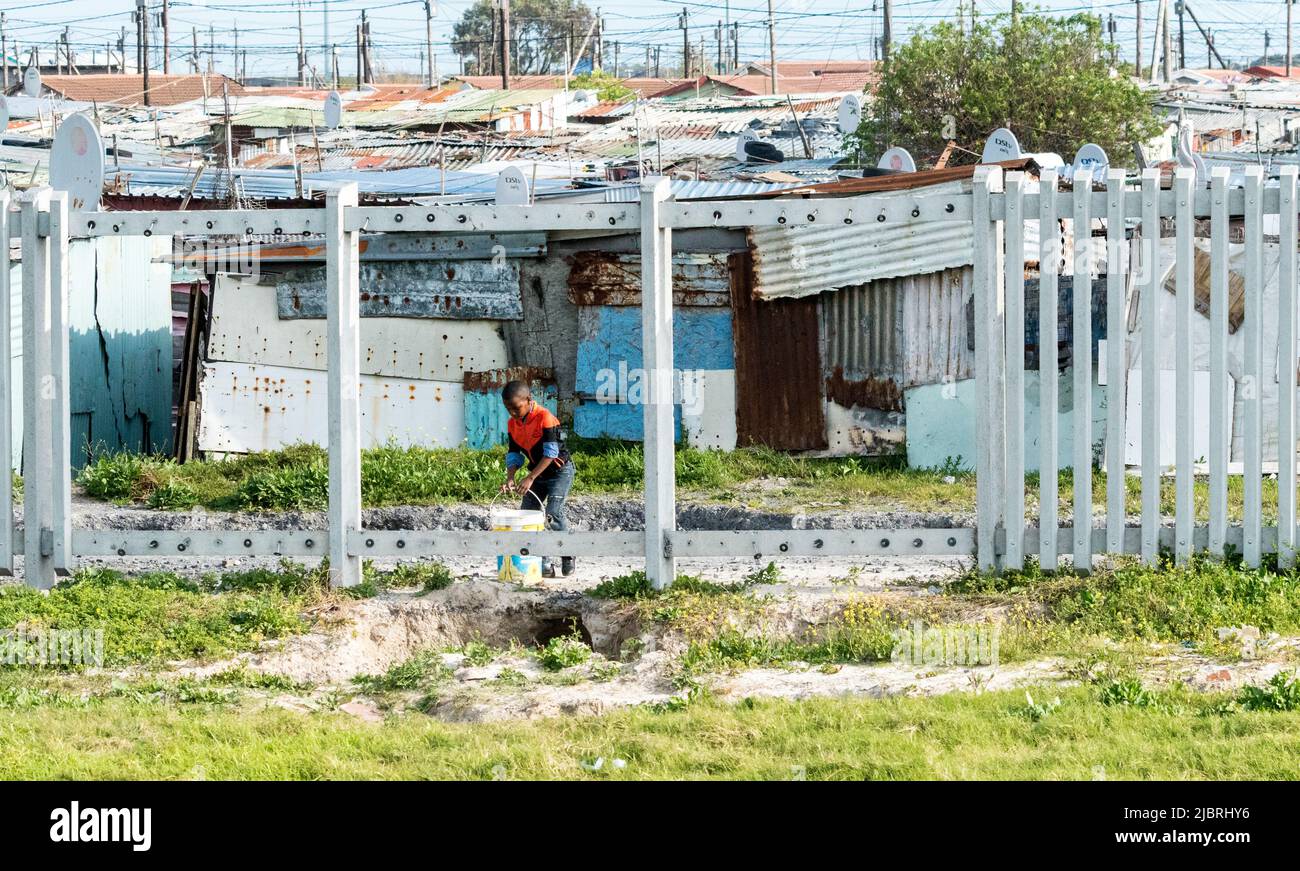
(549, 493)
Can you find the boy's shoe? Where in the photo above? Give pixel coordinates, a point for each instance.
(548, 569)
(567, 565)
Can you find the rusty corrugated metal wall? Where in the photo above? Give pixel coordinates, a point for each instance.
(888, 335)
(778, 367)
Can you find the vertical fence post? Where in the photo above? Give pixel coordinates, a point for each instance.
(657, 354)
(1220, 412)
(1151, 365)
(990, 360)
(6, 397)
(343, 321)
(1081, 360)
(1253, 370)
(1049, 374)
(1116, 358)
(1286, 375)
(1184, 299)
(60, 405)
(38, 454)
(1014, 513)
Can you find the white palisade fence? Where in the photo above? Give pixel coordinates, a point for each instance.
(1133, 214)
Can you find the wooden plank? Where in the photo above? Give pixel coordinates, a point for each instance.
(1014, 487)
(1151, 366)
(1286, 407)
(1253, 368)
(1049, 375)
(1220, 420)
(1116, 358)
(1082, 350)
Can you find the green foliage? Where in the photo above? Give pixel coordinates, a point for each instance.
(1127, 691)
(1038, 711)
(541, 28)
(417, 672)
(1045, 77)
(564, 651)
(633, 585)
(154, 617)
(173, 495)
(606, 86)
(1281, 693)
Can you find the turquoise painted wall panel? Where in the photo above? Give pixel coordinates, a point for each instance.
(485, 416)
(941, 423)
(119, 346)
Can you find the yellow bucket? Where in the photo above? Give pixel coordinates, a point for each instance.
(514, 567)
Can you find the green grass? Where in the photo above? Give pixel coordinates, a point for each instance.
(960, 736)
(154, 617)
(297, 477)
(160, 616)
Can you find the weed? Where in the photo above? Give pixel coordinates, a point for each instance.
(424, 668)
(1038, 711)
(1127, 691)
(1281, 693)
(564, 651)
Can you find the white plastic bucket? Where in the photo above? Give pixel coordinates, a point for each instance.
(514, 567)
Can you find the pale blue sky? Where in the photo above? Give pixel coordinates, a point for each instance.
(807, 29)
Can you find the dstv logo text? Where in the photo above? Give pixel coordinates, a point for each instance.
(76, 824)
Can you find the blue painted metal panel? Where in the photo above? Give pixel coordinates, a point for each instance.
(609, 360)
(596, 420)
(485, 416)
(610, 342)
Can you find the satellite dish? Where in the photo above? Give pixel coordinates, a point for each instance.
(1001, 145)
(850, 113)
(1186, 156)
(77, 163)
(32, 82)
(512, 187)
(898, 160)
(333, 110)
(4, 116)
(746, 135)
(1093, 157)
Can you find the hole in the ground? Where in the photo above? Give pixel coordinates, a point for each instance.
(558, 627)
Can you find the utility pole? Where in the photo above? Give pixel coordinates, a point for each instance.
(1289, 4)
(617, 73)
(505, 44)
(194, 32)
(886, 29)
(142, 25)
(1182, 45)
(598, 49)
(1112, 29)
(167, 40)
(1266, 40)
(302, 51)
(735, 46)
(771, 43)
(683, 23)
(428, 40)
(359, 47)
(4, 50)
(647, 61)
(1209, 40)
(121, 50)
(1137, 62)
(1169, 45)
(235, 55)
(717, 33)
(212, 49)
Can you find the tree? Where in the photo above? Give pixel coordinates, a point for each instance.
(607, 87)
(1048, 80)
(539, 29)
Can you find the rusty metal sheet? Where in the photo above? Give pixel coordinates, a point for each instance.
(459, 289)
(778, 367)
(495, 379)
(607, 278)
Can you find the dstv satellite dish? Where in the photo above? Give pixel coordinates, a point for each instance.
(77, 163)
(333, 110)
(4, 116)
(850, 114)
(32, 82)
(1091, 157)
(1001, 145)
(746, 135)
(898, 160)
(512, 187)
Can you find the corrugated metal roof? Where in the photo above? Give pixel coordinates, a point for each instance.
(800, 261)
(697, 190)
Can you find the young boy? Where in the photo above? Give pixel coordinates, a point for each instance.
(535, 438)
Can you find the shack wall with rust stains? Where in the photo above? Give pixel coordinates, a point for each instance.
(779, 400)
(612, 278)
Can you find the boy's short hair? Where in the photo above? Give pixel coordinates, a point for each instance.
(513, 390)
